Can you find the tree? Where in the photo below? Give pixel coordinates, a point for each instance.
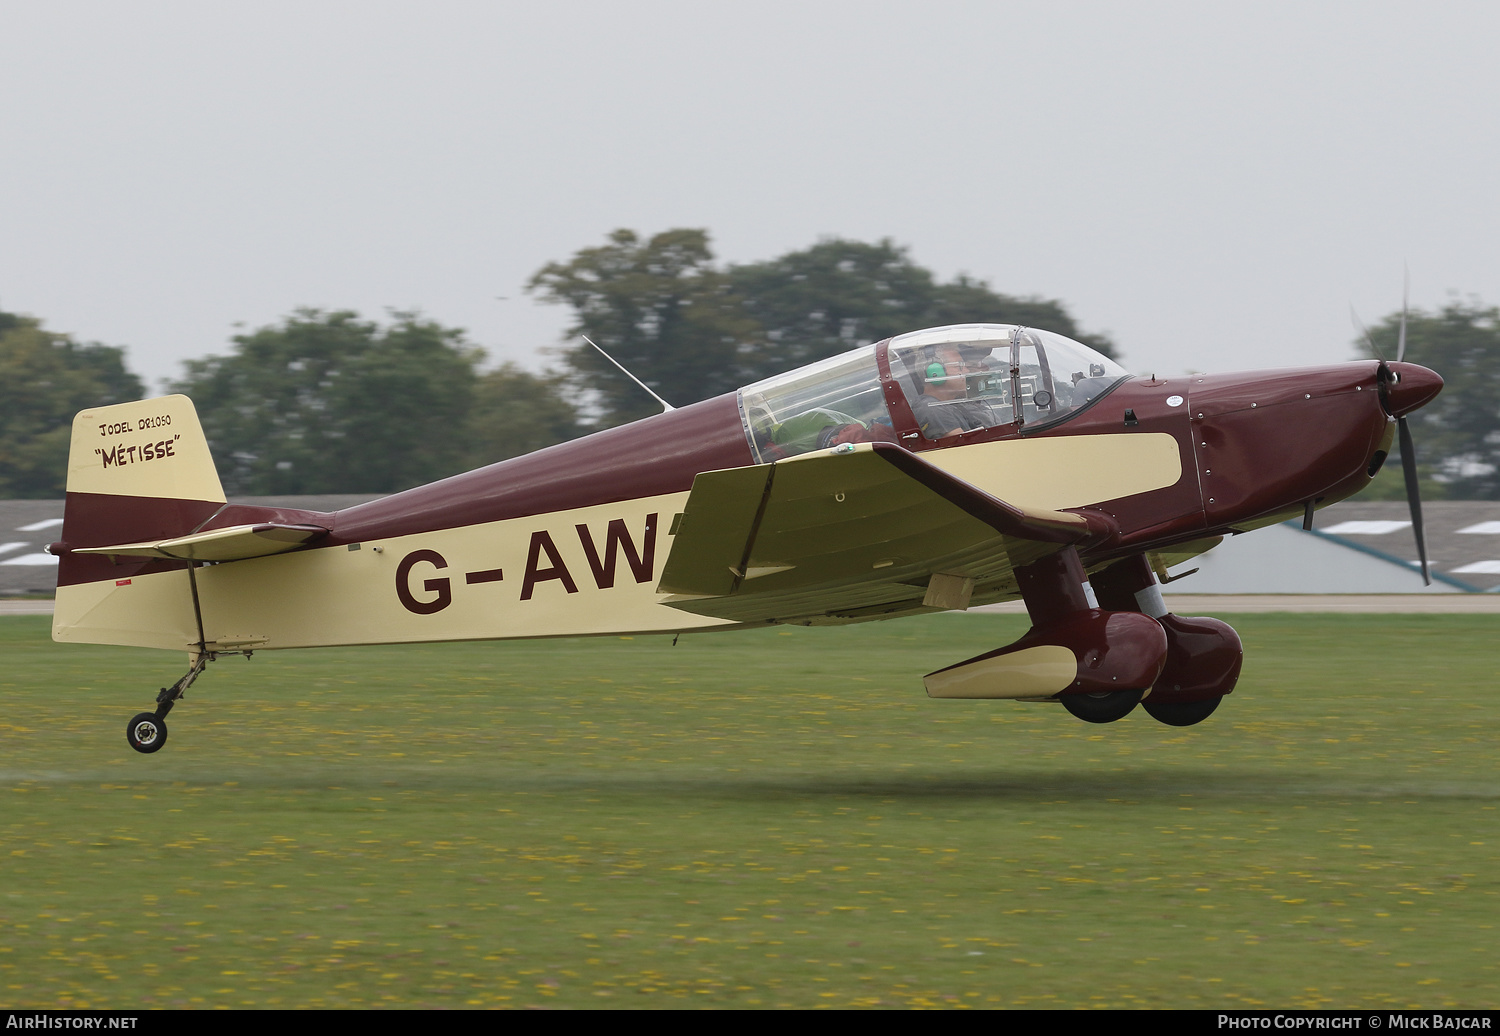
(46, 378)
(661, 309)
(1457, 435)
(329, 403)
(829, 298)
(965, 300)
(516, 412)
(838, 294)
(692, 330)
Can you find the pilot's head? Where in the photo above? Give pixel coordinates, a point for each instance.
(943, 377)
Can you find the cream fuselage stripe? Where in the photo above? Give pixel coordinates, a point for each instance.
(589, 570)
(1065, 471)
(583, 571)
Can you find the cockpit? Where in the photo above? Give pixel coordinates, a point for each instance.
(927, 386)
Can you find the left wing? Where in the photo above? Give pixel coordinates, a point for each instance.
(852, 532)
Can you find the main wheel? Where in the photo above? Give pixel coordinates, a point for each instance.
(1181, 713)
(146, 732)
(1102, 707)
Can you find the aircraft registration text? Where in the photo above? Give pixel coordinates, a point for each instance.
(617, 542)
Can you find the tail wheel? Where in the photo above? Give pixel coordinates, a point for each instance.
(1103, 707)
(146, 732)
(1181, 713)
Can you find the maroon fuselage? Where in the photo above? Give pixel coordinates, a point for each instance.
(1255, 446)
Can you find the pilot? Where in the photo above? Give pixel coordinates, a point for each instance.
(944, 408)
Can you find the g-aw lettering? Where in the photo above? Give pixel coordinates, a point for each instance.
(544, 563)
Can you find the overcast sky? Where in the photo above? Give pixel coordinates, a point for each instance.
(1213, 184)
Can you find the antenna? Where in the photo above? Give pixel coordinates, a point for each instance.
(1359, 325)
(665, 406)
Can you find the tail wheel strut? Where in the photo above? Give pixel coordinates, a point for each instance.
(147, 731)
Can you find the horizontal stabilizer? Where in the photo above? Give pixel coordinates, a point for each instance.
(856, 527)
(236, 543)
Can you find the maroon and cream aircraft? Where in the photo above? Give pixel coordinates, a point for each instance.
(940, 469)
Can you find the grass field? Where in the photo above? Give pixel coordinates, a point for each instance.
(777, 818)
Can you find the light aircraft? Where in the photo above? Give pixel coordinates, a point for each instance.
(941, 469)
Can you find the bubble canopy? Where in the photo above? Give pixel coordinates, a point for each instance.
(954, 380)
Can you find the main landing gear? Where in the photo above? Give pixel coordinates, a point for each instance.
(1101, 706)
(1181, 713)
(147, 731)
(1203, 655)
(1108, 706)
(1100, 662)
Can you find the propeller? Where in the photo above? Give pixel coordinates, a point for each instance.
(1409, 449)
(1385, 376)
(1413, 495)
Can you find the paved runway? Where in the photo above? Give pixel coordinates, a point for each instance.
(25, 607)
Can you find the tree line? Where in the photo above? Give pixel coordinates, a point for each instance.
(692, 329)
(330, 402)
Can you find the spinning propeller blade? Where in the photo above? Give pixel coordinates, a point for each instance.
(1385, 377)
(1413, 495)
(1408, 448)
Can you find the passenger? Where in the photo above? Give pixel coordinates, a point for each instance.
(944, 408)
(837, 435)
(821, 428)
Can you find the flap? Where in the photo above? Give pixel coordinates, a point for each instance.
(848, 528)
(236, 543)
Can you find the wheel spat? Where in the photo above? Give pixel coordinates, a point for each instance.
(1102, 707)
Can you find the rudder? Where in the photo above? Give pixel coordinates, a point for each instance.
(136, 471)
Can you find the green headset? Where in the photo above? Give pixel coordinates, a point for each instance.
(936, 372)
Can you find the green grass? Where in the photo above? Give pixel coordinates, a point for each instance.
(777, 818)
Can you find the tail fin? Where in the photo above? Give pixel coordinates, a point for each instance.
(136, 471)
(152, 447)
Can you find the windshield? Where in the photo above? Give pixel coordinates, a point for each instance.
(827, 403)
(956, 379)
(974, 376)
